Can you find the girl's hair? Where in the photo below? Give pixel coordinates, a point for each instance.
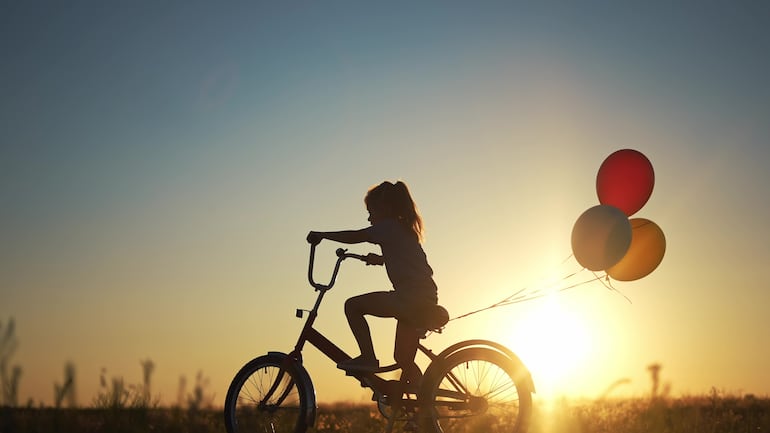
(394, 200)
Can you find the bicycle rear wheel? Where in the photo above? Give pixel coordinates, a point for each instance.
(475, 389)
(270, 394)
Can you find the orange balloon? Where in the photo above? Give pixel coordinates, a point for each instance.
(648, 245)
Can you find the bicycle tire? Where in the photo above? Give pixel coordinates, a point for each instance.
(475, 389)
(270, 393)
(524, 374)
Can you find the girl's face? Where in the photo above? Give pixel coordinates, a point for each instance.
(375, 214)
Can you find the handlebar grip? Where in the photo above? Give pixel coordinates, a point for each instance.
(343, 253)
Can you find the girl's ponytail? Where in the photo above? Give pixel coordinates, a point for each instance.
(406, 209)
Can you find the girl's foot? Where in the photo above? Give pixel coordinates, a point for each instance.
(359, 363)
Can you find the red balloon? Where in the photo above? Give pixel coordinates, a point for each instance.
(625, 181)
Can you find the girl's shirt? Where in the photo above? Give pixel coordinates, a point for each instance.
(405, 260)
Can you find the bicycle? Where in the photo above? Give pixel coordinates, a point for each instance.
(472, 385)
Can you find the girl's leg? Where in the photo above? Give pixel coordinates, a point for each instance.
(380, 304)
(405, 352)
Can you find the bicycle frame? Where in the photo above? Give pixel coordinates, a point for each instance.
(310, 335)
(370, 379)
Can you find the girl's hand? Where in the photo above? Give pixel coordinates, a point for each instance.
(314, 238)
(375, 259)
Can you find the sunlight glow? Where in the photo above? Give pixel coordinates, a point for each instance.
(555, 346)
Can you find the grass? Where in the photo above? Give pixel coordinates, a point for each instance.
(125, 420)
(714, 413)
(130, 408)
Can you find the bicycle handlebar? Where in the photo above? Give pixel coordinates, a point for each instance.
(342, 254)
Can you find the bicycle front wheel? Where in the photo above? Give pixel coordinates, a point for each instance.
(475, 389)
(269, 394)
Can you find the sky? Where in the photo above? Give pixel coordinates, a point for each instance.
(162, 162)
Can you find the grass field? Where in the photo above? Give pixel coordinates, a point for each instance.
(714, 413)
(130, 408)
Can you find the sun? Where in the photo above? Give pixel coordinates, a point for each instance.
(555, 343)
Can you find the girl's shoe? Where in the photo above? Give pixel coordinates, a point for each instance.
(359, 363)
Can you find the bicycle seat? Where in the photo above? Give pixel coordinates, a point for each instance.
(429, 318)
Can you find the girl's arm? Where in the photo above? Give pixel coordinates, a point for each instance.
(344, 236)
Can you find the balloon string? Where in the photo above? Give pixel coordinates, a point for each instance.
(608, 284)
(526, 294)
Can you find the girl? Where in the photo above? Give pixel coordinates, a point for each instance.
(397, 228)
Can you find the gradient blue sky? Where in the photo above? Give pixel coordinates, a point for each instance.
(162, 162)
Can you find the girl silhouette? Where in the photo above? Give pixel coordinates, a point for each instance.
(396, 226)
